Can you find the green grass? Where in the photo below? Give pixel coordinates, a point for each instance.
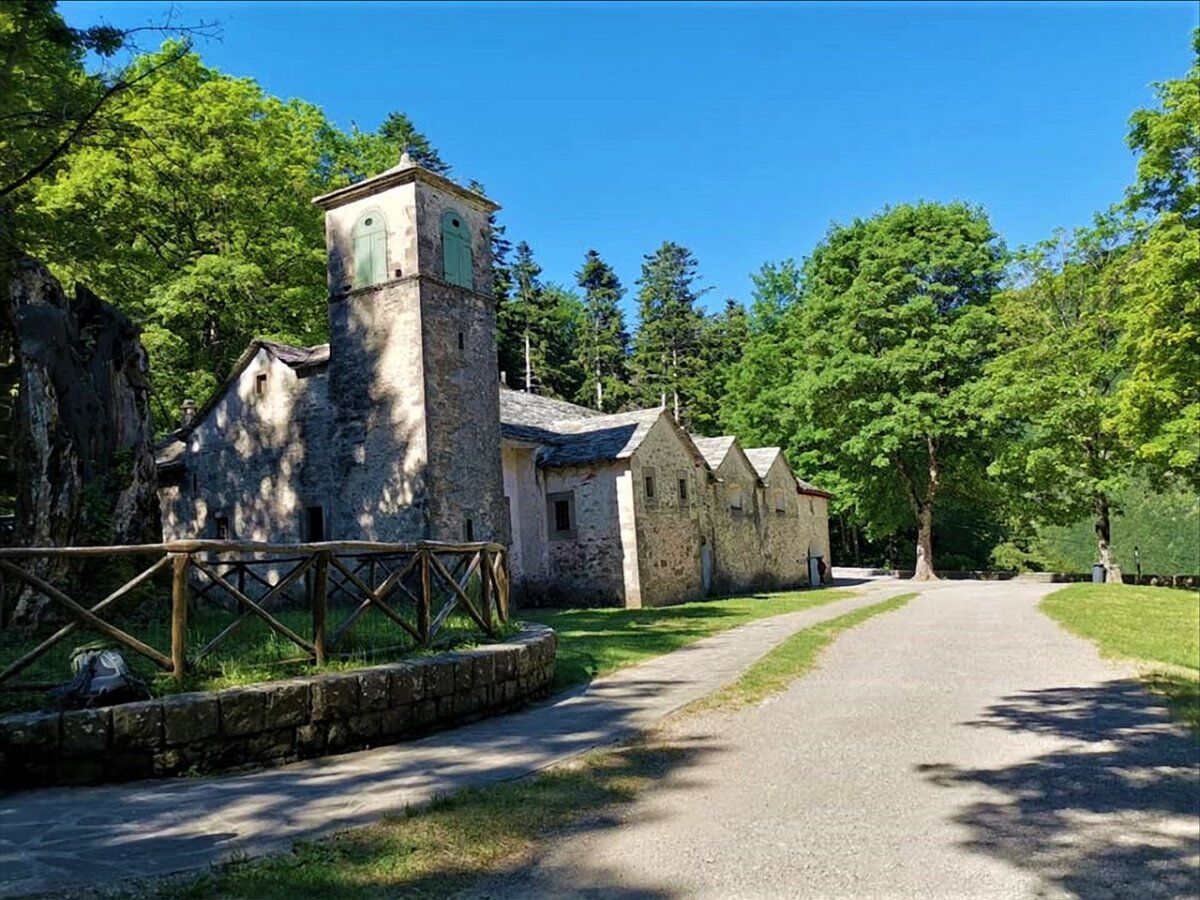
(791, 659)
(1157, 627)
(593, 642)
(252, 654)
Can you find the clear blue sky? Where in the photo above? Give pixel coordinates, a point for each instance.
(740, 131)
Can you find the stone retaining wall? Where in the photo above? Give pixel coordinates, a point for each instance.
(275, 722)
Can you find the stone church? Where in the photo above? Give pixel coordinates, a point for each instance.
(398, 430)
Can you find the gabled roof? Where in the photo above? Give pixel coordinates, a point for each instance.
(714, 449)
(762, 458)
(577, 442)
(519, 408)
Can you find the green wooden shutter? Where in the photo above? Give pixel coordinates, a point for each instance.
(370, 250)
(457, 261)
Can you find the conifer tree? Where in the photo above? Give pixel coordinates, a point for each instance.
(400, 133)
(602, 351)
(665, 350)
(723, 341)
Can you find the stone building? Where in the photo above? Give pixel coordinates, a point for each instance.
(397, 430)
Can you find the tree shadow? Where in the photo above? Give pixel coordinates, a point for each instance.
(1113, 813)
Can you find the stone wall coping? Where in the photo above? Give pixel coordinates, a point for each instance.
(275, 721)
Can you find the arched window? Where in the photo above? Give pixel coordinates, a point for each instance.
(457, 262)
(370, 249)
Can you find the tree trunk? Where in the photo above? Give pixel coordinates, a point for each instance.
(924, 570)
(1112, 571)
(857, 546)
(599, 389)
(528, 366)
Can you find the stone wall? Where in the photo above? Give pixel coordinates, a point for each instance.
(668, 525)
(586, 569)
(275, 722)
(248, 460)
(787, 530)
(737, 534)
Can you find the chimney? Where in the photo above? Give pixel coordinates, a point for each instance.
(187, 413)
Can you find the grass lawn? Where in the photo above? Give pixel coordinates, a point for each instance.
(592, 642)
(791, 659)
(1158, 627)
(252, 654)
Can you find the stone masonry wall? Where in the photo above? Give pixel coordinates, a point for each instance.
(668, 525)
(586, 569)
(275, 722)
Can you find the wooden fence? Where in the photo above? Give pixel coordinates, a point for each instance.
(427, 579)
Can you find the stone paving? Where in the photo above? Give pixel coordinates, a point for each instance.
(69, 837)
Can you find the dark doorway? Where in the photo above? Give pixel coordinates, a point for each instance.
(314, 524)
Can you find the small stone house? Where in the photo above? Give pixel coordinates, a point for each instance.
(397, 430)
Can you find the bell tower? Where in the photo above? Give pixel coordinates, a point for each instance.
(414, 441)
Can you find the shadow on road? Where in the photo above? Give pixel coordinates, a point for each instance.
(1114, 813)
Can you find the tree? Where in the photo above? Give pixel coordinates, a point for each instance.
(888, 345)
(49, 104)
(1158, 404)
(398, 131)
(1055, 381)
(198, 223)
(538, 325)
(602, 352)
(665, 350)
(723, 340)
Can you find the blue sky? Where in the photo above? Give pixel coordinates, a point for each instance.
(741, 131)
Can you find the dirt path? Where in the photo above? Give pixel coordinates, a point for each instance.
(964, 746)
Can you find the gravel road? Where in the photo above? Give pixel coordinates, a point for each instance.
(964, 746)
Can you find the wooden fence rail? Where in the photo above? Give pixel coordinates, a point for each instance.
(429, 580)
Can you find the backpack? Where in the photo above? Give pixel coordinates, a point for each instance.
(102, 678)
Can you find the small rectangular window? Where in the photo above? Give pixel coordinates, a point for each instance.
(780, 504)
(648, 482)
(314, 524)
(221, 528)
(260, 384)
(735, 497)
(683, 491)
(468, 530)
(560, 511)
(462, 343)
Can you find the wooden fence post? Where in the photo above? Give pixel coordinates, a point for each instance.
(179, 611)
(485, 590)
(319, 597)
(426, 600)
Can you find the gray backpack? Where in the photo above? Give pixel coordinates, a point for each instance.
(102, 678)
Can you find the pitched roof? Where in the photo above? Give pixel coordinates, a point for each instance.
(297, 357)
(762, 458)
(714, 449)
(519, 408)
(598, 438)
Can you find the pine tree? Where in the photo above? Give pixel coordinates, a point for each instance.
(538, 327)
(665, 350)
(723, 341)
(400, 132)
(602, 352)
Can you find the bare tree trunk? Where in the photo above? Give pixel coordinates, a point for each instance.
(857, 547)
(528, 366)
(599, 389)
(1112, 571)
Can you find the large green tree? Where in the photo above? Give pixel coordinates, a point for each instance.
(1055, 381)
(665, 358)
(724, 337)
(1158, 404)
(887, 351)
(198, 223)
(539, 326)
(602, 351)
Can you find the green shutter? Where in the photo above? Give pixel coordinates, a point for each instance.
(370, 249)
(457, 262)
